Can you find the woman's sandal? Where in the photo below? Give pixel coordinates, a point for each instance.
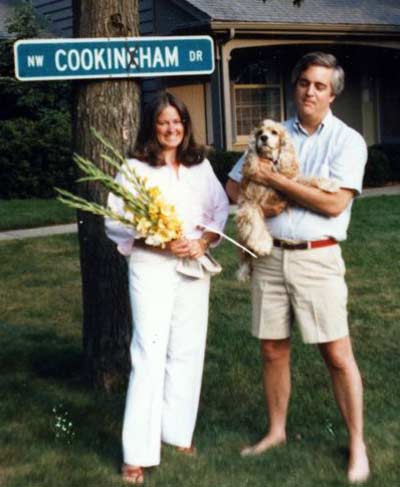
(190, 451)
(132, 475)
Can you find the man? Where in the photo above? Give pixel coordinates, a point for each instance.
(303, 278)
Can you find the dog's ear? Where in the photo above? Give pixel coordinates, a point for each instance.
(252, 139)
(284, 136)
(288, 160)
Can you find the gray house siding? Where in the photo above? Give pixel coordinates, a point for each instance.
(161, 17)
(171, 15)
(146, 17)
(59, 12)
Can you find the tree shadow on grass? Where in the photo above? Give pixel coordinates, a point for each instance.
(44, 385)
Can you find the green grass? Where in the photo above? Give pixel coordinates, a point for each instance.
(40, 363)
(15, 214)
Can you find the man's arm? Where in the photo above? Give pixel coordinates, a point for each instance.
(328, 204)
(232, 190)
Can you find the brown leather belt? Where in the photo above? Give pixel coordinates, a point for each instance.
(312, 244)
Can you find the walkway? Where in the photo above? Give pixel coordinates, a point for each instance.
(72, 228)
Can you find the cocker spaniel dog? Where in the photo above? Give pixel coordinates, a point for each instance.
(268, 141)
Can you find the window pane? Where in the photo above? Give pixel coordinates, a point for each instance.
(255, 104)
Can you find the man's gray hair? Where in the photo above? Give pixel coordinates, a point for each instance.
(321, 59)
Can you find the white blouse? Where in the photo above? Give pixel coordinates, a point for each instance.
(195, 191)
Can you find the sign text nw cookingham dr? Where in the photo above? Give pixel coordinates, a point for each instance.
(115, 57)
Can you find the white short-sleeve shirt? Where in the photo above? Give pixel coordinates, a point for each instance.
(334, 151)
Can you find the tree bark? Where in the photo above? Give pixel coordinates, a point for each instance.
(112, 108)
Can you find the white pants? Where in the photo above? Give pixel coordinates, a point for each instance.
(170, 314)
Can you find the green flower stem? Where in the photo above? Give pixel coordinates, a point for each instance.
(74, 201)
(138, 203)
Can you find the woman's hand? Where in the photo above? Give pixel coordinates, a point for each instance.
(192, 249)
(198, 247)
(184, 248)
(180, 247)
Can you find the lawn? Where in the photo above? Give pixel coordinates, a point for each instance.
(32, 213)
(57, 432)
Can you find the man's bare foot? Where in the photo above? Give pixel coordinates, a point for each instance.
(358, 471)
(269, 441)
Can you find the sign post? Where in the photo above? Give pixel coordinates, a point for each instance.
(61, 59)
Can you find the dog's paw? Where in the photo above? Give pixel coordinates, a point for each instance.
(328, 185)
(244, 272)
(262, 246)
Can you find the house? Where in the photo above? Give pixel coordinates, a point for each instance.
(257, 44)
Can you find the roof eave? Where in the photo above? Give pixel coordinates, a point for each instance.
(304, 28)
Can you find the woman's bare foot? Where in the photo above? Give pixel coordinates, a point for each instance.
(358, 471)
(132, 474)
(269, 441)
(189, 451)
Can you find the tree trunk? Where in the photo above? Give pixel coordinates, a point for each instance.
(112, 108)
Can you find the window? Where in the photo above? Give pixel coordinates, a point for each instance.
(253, 103)
(256, 89)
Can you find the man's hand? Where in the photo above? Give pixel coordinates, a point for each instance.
(274, 209)
(264, 172)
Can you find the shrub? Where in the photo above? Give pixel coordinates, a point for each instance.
(35, 123)
(392, 151)
(222, 162)
(35, 155)
(378, 169)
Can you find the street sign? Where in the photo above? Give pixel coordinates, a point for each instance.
(59, 59)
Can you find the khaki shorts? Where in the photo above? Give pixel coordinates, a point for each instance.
(302, 286)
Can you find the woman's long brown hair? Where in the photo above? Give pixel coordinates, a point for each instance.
(148, 149)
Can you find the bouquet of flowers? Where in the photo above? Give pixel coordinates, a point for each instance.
(146, 211)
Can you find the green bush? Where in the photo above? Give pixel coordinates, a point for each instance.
(35, 155)
(392, 151)
(222, 162)
(378, 170)
(35, 122)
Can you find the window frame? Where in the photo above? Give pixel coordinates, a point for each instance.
(243, 139)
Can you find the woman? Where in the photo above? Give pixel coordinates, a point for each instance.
(170, 309)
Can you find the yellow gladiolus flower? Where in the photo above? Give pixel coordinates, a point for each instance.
(154, 192)
(142, 226)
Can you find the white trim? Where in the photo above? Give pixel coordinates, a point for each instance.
(229, 46)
